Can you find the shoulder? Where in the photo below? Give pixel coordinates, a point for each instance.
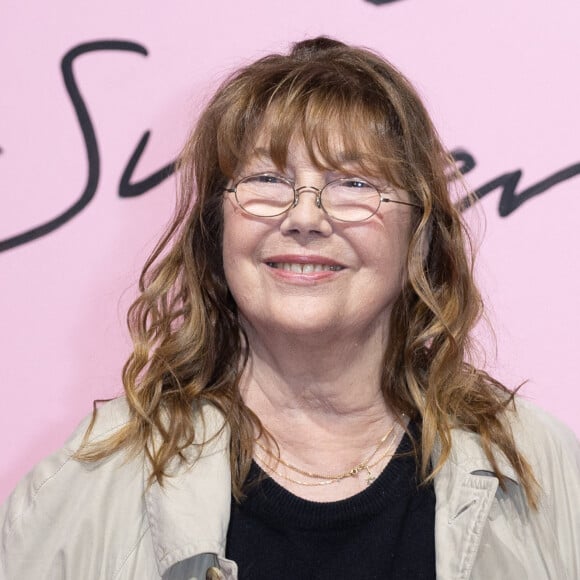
(548, 445)
(545, 441)
(60, 470)
(66, 512)
(553, 453)
(66, 508)
(60, 507)
(116, 478)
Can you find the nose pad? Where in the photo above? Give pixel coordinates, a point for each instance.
(306, 218)
(315, 190)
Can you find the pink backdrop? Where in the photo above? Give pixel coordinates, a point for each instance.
(500, 78)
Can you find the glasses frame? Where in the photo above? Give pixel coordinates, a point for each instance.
(318, 192)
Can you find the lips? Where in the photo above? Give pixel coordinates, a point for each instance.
(302, 264)
(304, 268)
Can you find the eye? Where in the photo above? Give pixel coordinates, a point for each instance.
(356, 183)
(265, 178)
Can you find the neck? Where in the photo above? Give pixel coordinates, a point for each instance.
(315, 376)
(321, 401)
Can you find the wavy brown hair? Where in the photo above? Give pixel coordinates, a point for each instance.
(189, 347)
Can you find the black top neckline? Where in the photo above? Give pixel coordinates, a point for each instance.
(391, 485)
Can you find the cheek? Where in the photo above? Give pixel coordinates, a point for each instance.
(385, 244)
(389, 257)
(230, 245)
(233, 238)
(240, 243)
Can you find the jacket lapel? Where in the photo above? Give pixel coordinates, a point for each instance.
(465, 489)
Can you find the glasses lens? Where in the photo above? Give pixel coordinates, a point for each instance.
(264, 195)
(351, 199)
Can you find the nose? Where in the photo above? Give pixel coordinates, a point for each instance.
(307, 215)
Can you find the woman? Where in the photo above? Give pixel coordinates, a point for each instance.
(299, 402)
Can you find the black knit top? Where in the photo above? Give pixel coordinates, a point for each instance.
(384, 532)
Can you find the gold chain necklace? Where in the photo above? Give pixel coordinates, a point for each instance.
(329, 479)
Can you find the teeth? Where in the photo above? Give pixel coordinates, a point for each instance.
(303, 268)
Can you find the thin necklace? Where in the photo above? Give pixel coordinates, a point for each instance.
(365, 465)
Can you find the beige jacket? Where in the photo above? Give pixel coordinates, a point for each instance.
(73, 521)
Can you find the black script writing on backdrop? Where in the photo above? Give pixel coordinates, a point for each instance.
(380, 2)
(128, 189)
(91, 146)
(507, 183)
(510, 199)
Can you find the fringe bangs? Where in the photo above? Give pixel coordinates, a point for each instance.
(319, 108)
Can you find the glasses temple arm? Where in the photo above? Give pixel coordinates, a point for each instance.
(389, 200)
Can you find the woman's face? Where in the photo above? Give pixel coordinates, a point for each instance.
(302, 273)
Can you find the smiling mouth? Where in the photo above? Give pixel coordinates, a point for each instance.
(304, 268)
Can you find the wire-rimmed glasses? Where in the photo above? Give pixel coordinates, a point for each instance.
(347, 199)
